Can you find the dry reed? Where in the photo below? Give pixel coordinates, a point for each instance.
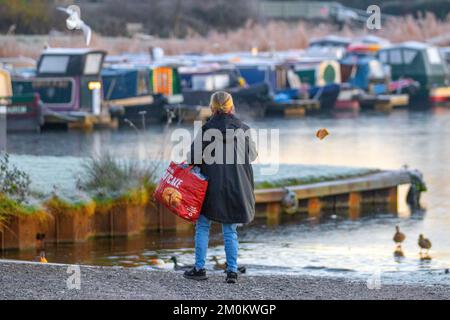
(275, 35)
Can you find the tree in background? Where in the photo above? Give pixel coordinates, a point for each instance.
(26, 16)
(169, 18)
(173, 17)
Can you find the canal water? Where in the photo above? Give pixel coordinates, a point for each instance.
(333, 245)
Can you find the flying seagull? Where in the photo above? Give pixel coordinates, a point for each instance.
(74, 21)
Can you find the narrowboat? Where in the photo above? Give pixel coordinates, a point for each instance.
(23, 111)
(141, 94)
(424, 64)
(323, 76)
(289, 95)
(200, 81)
(363, 72)
(328, 47)
(69, 85)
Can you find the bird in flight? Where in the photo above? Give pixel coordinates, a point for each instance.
(74, 22)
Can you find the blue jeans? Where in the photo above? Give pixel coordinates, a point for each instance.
(230, 239)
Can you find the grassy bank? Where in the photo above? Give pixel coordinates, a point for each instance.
(85, 185)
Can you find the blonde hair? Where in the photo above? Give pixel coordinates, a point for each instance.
(221, 102)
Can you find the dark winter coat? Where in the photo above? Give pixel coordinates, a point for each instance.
(230, 197)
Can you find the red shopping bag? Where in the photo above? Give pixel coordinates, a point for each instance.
(182, 191)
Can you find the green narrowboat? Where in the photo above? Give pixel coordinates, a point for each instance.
(424, 64)
(23, 111)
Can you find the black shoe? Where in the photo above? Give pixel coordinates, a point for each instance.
(241, 269)
(231, 277)
(195, 274)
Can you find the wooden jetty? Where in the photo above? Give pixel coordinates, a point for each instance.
(352, 195)
(295, 108)
(384, 102)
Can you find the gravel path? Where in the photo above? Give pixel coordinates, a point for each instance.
(48, 281)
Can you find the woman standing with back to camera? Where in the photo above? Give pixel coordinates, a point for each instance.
(229, 199)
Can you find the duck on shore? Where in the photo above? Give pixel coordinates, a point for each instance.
(399, 237)
(223, 266)
(217, 264)
(41, 258)
(178, 266)
(157, 263)
(424, 243)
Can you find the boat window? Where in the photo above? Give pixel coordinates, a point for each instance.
(221, 81)
(143, 87)
(93, 64)
(395, 57)
(253, 75)
(202, 82)
(384, 56)
(22, 87)
(53, 91)
(210, 82)
(409, 55)
(433, 55)
(54, 64)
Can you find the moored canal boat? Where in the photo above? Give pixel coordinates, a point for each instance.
(289, 96)
(363, 72)
(424, 64)
(69, 85)
(200, 81)
(24, 111)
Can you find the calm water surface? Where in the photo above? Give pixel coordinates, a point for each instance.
(332, 245)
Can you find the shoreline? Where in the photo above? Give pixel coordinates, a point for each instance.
(26, 280)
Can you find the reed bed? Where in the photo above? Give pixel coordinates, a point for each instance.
(274, 35)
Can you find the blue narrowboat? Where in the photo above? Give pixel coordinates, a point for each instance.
(286, 85)
(363, 73)
(141, 94)
(200, 81)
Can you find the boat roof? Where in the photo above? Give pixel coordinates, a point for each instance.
(371, 39)
(414, 45)
(70, 51)
(357, 59)
(331, 39)
(206, 68)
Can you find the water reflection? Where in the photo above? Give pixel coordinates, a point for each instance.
(323, 244)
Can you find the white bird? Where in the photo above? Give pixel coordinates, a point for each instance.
(74, 21)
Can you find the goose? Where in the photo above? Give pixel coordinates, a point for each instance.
(399, 237)
(178, 266)
(424, 243)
